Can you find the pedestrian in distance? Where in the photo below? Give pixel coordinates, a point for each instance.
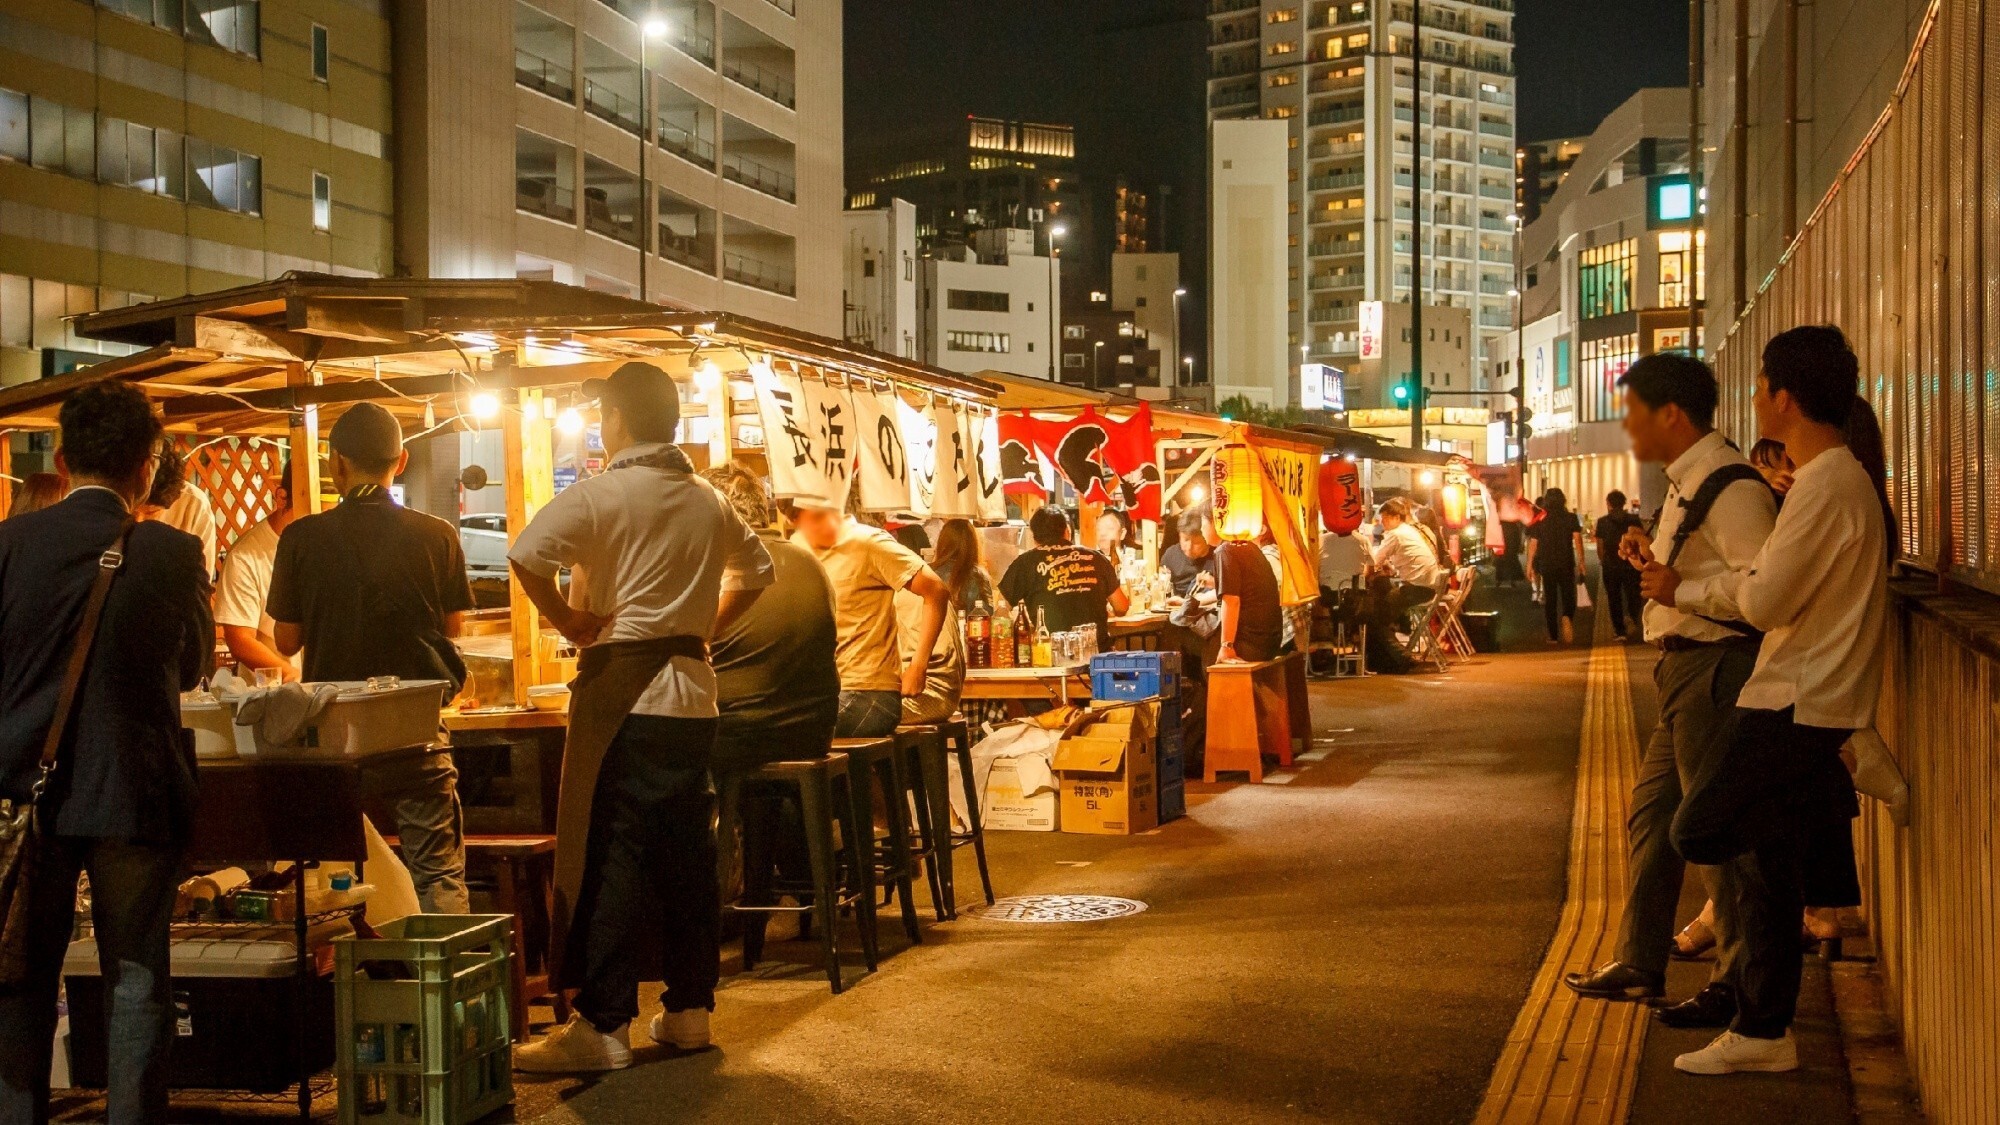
(1620, 578)
(1555, 557)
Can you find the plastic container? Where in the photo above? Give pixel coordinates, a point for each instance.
(361, 721)
(213, 723)
(1135, 675)
(421, 1023)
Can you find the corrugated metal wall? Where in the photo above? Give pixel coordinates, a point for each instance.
(1904, 254)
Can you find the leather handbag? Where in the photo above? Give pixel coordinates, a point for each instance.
(21, 830)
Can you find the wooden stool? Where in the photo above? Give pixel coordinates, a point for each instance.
(879, 759)
(1299, 703)
(821, 785)
(1249, 716)
(524, 871)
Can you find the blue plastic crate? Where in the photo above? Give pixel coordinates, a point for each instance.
(1173, 800)
(1135, 675)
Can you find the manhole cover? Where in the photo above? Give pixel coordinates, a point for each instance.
(1058, 908)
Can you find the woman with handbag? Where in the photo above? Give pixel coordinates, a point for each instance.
(103, 623)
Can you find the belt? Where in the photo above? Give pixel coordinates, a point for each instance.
(1672, 643)
(658, 648)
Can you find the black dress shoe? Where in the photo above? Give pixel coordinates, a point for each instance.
(1713, 1006)
(1617, 981)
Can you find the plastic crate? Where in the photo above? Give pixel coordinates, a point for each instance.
(1135, 675)
(1173, 800)
(421, 1021)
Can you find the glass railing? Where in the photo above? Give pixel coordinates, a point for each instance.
(694, 251)
(695, 45)
(538, 73)
(540, 197)
(758, 274)
(689, 147)
(599, 218)
(751, 174)
(611, 106)
(769, 83)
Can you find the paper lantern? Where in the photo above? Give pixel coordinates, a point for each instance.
(1454, 505)
(1341, 509)
(1238, 482)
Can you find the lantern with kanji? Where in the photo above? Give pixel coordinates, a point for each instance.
(1341, 508)
(1238, 483)
(1454, 505)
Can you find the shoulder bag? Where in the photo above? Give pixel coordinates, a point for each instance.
(21, 829)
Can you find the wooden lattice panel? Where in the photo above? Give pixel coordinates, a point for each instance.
(238, 475)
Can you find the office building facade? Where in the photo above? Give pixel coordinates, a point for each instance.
(1337, 74)
(879, 261)
(990, 305)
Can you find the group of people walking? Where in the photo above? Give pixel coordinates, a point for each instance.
(1770, 623)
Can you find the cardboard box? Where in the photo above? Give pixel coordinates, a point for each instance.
(1007, 809)
(1107, 771)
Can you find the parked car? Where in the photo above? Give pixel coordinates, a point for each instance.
(484, 539)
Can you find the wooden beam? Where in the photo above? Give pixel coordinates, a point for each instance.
(348, 318)
(528, 453)
(234, 337)
(304, 441)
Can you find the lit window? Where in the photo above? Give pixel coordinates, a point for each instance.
(1283, 47)
(322, 201)
(977, 341)
(1283, 15)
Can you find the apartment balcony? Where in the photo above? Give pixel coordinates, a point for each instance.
(1491, 64)
(1495, 223)
(1223, 99)
(1336, 248)
(1232, 66)
(544, 76)
(789, 7)
(1339, 318)
(540, 197)
(694, 251)
(1493, 287)
(1495, 191)
(769, 83)
(684, 144)
(1495, 254)
(695, 45)
(1333, 150)
(603, 102)
(1341, 182)
(1334, 281)
(1332, 349)
(758, 274)
(1334, 83)
(758, 177)
(1496, 160)
(1226, 7)
(1496, 5)
(1335, 116)
(1496, 128)
(1495, 318)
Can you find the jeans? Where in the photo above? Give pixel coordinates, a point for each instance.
(1558, 599)
(132, 888)
(1621, 593)
(868, 714)
(431, 824)
(1698, 689)
(1757, 803)
(649, 875)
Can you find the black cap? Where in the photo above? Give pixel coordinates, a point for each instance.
(367, 435)
(645, 395)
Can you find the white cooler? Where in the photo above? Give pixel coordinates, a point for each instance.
(360, 722)
(214, 725)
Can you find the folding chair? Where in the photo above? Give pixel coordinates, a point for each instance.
(1425, 642)
(1455, 635)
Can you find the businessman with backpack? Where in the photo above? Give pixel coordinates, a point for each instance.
(1717, 515)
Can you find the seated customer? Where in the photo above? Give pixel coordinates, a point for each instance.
(1408, 556)
(944, 676)
(1062, 584)
(1251, 620)
(866, 567)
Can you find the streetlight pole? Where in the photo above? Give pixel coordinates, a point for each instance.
(653, 27)
(1055, 317)
(1096, 364)
(1417, 108)
(1187, 364)
(1178, 294)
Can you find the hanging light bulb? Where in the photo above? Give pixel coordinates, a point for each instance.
(485, 406)
(569, 423)
(707, 376)
(548, 407)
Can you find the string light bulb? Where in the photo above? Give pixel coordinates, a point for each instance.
(569, 423)
(485, 406)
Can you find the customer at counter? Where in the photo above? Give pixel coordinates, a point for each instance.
(660, 564)
(1063, 585)
(121, 805)
(245, 585)
(1408, 555)
(867, 567)
(1251, 620)
(371, 588)
(944, 673)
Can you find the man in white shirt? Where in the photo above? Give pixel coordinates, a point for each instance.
(245, 585)
(1408, 555)
(1818, 590)
(1342, 560)
(1669, 410)
(658, 562)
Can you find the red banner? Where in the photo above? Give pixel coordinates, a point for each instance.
(1105, 461)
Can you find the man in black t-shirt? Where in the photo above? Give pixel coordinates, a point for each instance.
(371, 588)
(1621, 581)
(1061, 583)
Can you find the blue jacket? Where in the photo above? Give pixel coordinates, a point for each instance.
(127, 771)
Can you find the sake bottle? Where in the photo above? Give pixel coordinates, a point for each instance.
(1002, 642)
(1044, 643)
(1024, 639)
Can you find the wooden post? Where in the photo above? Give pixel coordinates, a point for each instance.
(529, 455)
(304, 440)
(721, 443)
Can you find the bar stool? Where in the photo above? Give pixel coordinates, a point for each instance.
(880, 759)
(922, 748)
(958, 740)
(822, 786)
(952, 739)
(524, 876)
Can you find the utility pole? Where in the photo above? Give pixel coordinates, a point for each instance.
(1417, 223)
(1697, 44)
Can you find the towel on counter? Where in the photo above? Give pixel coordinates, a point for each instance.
(282, 712)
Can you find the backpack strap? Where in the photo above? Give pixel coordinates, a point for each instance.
(1694, 512)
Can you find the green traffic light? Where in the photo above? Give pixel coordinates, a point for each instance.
(1402, 392)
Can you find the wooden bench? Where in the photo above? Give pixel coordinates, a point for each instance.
(1250, 708)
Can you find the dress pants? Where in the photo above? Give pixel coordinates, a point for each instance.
(649, 878)
(132, 888)
(1759, 803)
(1697, 689)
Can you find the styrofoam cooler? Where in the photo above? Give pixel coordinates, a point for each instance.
(214, 725)
(360, 722)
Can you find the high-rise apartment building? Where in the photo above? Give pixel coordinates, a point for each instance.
(1339, 74)
(692, 145)
(152, 148)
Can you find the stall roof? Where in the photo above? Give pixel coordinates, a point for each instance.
(1355, 443)
(246, 360)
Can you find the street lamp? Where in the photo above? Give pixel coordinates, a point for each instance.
(1187, 364)
(1304, 350)
(1096, 364)
(1178, 294)
(651, 28)
(1520, 350)
(1055, 318)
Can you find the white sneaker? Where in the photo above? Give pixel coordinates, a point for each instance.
(1731, 1053)
(687, 1030)
(575, 1048)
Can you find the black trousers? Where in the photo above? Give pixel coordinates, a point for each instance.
(1621, 593)
(649, 879)
(1761, 802)
(1558, 598)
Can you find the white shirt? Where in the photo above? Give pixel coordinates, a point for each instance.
(1407, 554)
(1342, 558)
(654, 548)
(1819, 590)
(245, 584)
(1727, 541)
(193, 514)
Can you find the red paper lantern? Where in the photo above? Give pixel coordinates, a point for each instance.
(1454, 505)
(1341, 508)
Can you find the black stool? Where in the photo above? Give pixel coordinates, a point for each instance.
(958, 743)
(824, 788)
(925, 772)
(942, 742)
(892, 865)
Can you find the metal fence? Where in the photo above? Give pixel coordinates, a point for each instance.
(1904, 255)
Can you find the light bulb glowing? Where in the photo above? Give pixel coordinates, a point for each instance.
(655, 28)
(1427, 479)
(1195, 494)
(548, 408)
(486, 406)
(570, 422)
(707, 377)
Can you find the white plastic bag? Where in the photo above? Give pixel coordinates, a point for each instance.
(1024, 740)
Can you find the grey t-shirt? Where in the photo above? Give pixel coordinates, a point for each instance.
(774, 665)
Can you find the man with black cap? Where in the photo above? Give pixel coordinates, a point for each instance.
(659, 563)
(371, 588)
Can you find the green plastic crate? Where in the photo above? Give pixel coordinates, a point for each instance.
(429, 997)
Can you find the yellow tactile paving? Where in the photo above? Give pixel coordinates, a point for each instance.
(1570, 1060)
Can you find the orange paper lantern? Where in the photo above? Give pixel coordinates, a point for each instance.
(1454, 505)
(1239, 493)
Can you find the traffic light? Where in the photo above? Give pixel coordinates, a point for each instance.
(1409, 392)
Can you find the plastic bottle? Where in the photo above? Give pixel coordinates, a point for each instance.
(978, 641)
(1002, 642)
(1044, 643)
